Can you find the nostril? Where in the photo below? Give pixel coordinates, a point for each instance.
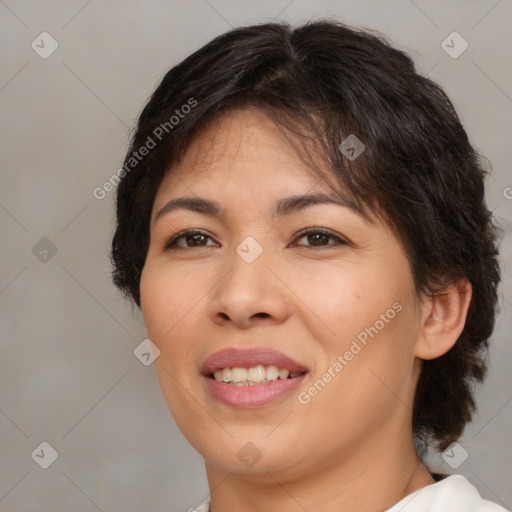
(261, 315)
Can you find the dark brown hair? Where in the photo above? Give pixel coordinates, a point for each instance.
(418, 170)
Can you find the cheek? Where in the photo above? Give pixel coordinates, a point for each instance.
(366, 316)
(173, 299)
(371, 365)
(168, 295)
(343, 301)
(168, 299)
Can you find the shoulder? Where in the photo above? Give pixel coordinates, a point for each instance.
(457, 489)
(453, 494)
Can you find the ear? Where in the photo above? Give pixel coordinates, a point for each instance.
(443, 320)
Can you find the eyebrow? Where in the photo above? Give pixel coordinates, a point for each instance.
(281, 208)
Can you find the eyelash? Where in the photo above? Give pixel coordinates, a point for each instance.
(172, 245)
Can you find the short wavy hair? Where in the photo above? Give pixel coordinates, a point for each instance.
(419, 171)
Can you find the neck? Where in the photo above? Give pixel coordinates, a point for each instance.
(371, 480)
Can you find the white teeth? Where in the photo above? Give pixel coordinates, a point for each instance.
(252, 376)
(239, 374)
(283, 374)
(256, 374)
(272, 372)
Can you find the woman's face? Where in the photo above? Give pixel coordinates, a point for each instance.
(252, 297)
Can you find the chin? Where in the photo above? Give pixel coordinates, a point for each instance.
(250, 455)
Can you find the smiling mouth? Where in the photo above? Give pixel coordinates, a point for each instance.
(253, 376)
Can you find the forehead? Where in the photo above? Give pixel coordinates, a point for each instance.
(249, 147)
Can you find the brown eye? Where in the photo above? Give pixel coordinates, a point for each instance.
(189, 239)
(316, 237)
(195, 240)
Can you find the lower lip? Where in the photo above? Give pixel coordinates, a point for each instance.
(251, 397)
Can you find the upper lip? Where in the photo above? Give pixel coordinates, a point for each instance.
(248, 358)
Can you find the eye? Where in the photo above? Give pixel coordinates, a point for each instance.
(189, 239)
(320, 237)
(315, 237)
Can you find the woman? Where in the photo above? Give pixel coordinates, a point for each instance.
(301, 220)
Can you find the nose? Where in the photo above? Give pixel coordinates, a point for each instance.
(249, 294)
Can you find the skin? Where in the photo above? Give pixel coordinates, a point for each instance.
(306, 296)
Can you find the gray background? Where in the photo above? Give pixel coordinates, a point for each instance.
(68, 375)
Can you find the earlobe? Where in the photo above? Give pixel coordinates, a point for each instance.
(444, 320)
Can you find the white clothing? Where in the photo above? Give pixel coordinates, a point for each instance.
(452, 494)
